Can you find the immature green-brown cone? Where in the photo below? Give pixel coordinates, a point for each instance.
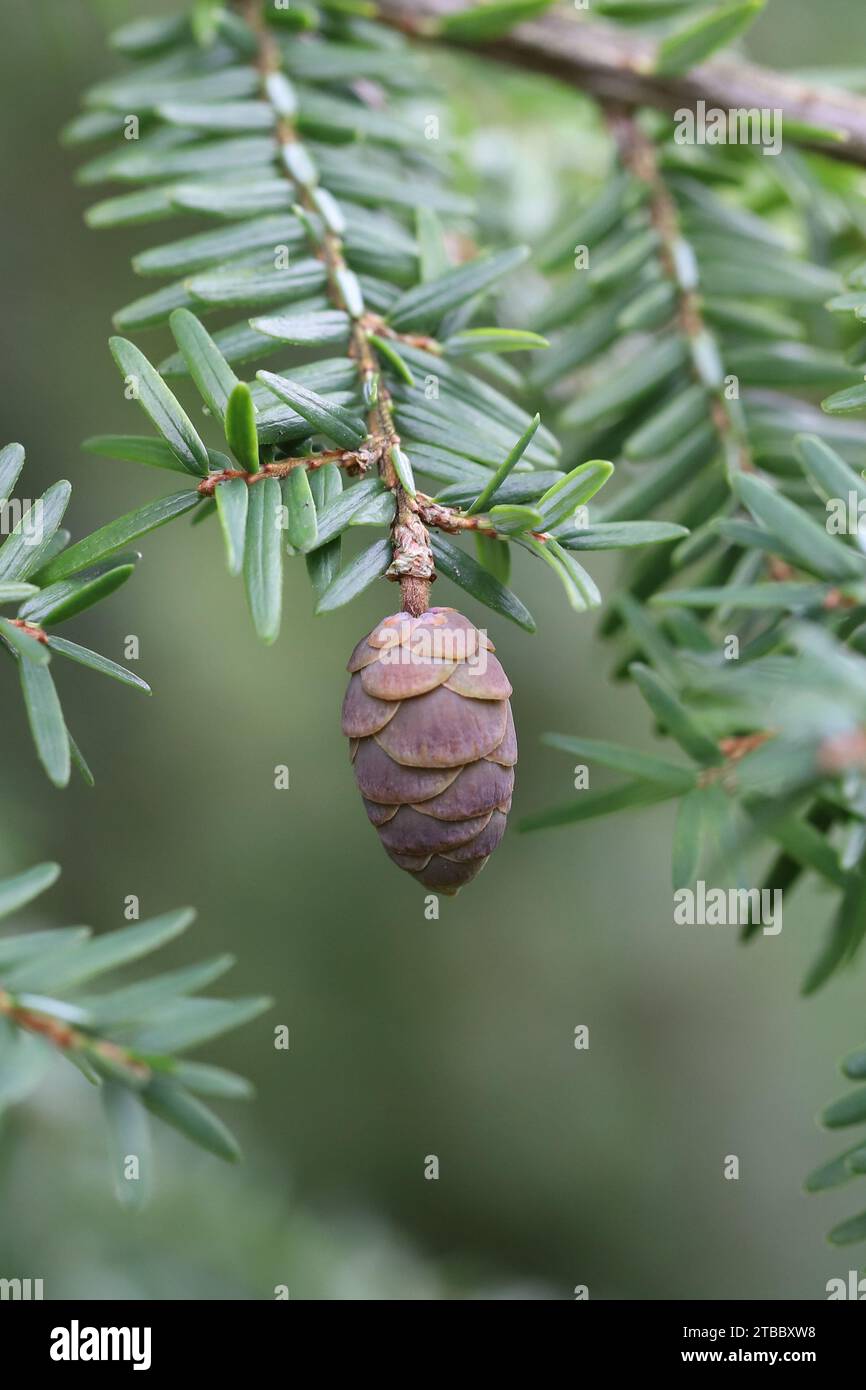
(433, 743)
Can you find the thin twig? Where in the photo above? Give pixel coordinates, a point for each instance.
(412, 565)
(357, 461)
(68, 1039)
(733, 749)
(32, 629)
(638, 154)
(450, 519)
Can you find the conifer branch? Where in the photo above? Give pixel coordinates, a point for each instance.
(412, 565)
(640, 156)
(127, 1038)
(396, 301)
(617, 66)
(49, 580)
(77, 1045)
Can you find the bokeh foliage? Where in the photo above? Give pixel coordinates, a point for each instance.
(574, 948)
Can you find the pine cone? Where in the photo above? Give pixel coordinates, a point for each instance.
(428, 715)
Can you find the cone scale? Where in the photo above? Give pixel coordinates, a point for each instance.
(428, 717)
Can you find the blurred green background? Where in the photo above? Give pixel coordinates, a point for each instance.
(409, 1037)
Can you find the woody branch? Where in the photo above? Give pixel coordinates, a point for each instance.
(617, 66)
